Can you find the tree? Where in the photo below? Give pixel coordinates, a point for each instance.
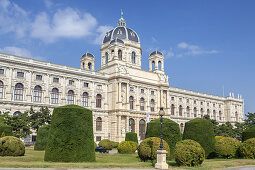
(250, 121)
(39, 118)
(226, 130)
(240, 127)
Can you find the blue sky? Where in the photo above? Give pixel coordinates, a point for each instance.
(206, 44)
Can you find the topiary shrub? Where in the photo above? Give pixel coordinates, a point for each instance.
(42, 138)
(106, 144)
(95, 145)
(6, 129)
(11, 146)
(127, 147)
(149, 146)
(131, 136)
(248, 133)
(71, 136)
(201, 131)
(115, 144)
(227, 147)
(171, 132)
(189, 153)
(247, 148)
(217, 138)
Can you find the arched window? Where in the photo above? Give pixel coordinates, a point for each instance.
(195, 112)
(237, 118)
(208, 113)
(16, 113)
(54, 96)
(37, 93)
(131, 125)
(153, 65)
(142, 104)
(1, 90)
(188, 111)
(99, 124)
(83, 66)
(152, 105)
(98, 100)
(159, 65)
(142, 129)
(120, 55)
(180, 110)
(85, 102)
(106, 58)
(131, 102)
(214, 114)
(133, 57)
(172, 109)
(70, 97)
(202, 112)
(220, 115)
(18, 91)
(181, 127)
(90, 66)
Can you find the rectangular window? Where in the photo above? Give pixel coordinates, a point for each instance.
(142, 90)
(131, 89)
(38, 77)
(152, 92)
(98, 138)
(207, 104)
(99, 86)
(172, 98)
(202, 103)
(56, 80)
(1, 71)
(20, 74)
(195, 102)
(187, 100)
(86, 84)
(180, 99)
(71, 82)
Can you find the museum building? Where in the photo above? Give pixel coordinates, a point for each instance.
(122, 96)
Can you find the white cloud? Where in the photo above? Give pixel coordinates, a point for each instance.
(20, 52)
(168, 53)
(101, 31)
(193, 50)
(67, 23)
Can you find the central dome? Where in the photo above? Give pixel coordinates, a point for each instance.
(121, 32)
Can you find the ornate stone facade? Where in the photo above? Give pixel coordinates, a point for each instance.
(122, 96)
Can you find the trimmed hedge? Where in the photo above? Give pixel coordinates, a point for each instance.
(42, 138)
(171, 132)
(11, 146)
(217, 138)
(189, 153)
(127, 147)
(247, 148)
(71, 136)
(249, 133)
(95, 145)
(201, 131)
(115, 144)
(5, 128)
(131, 136)
(106, 144)
(227, 147)
(149, 146)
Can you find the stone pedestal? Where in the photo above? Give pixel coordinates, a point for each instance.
(161, 159)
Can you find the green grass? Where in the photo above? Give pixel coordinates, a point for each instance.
(34, 159)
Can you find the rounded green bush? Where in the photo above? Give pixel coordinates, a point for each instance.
(247, 149)
(201, 131)
(227, 147)
(217, 138)
(149, 146)
(189, 153)
(11, 146)
(248, 133)
(127, 147)
(115, 144)
(171, 132)
(106, 144)
(42, 138)
(131, 136)
(71, 136)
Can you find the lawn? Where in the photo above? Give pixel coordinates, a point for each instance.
(34, 159)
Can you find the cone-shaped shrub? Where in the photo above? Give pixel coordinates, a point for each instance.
(247, 148)
(148, 147)
(131, 136)
(11, 146)
(171, 132)
(189, 153)
(249, 133)
(42, 138)
(201, 131)
(71, 136)
(127, 147)
(227, 147)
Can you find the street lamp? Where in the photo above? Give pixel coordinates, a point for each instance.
(161, 114)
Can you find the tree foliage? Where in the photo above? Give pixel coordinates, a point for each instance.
(250, 120)
(39, 118)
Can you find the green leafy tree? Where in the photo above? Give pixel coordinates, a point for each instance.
(39, 118)
(240, 127)
(250, 121)
(227, 130)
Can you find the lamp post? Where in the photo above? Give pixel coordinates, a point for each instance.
(161, 114)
